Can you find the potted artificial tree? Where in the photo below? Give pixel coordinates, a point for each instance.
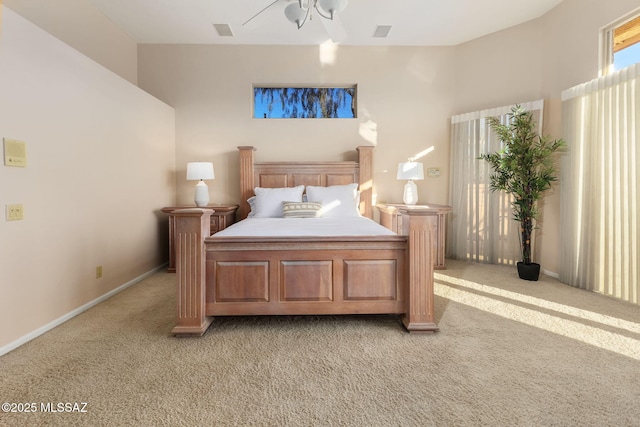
(525, 168)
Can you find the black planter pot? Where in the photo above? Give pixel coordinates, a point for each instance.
(529, 271)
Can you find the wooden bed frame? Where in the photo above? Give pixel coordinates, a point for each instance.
(238, 276)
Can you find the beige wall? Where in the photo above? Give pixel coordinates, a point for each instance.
(405, 99)
(537, 60)
(99, 158)
(406, 94)
(500, 69)
(81, 25)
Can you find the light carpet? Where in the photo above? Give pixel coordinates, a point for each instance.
(508, 353)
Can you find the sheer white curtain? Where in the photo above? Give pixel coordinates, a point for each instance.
(600, 184)
(481, 227)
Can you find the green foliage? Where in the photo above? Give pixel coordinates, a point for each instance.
(524, 168)
(307, 102)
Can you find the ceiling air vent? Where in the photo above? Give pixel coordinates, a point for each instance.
(223, 30)
(382, 31)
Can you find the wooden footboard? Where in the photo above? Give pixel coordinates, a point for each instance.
(224, 276)
(263, 276)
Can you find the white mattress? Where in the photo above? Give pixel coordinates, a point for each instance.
(288, 227)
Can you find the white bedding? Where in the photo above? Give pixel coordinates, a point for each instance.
(315, 227)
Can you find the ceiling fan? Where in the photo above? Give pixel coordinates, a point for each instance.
(298, 12)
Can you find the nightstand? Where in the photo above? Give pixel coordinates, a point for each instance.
(222, 217)
(392, 219)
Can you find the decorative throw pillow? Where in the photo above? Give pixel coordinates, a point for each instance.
(301, 210)
(268, 201)
(337, 200)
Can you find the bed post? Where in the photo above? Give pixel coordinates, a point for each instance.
(192, 226)
(246, 178)
(419, 312)
(365, 179)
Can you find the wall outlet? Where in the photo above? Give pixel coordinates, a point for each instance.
(99, 272)
(14, 213)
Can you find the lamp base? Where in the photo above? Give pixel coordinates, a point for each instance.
(202, 194)
(410, 196)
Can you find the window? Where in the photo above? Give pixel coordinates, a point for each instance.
(599, 214)
(304, 102)
(621, 44)
(483, 229)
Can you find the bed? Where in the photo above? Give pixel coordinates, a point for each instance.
(262, 272)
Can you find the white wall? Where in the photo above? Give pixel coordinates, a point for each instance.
(405, 99)
(99, 158)
(81, 25)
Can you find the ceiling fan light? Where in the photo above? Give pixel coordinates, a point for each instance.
(333, 6)
(295, 14)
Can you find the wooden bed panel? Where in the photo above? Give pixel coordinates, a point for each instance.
(306, 179)
(339, 179)
(249, 281)
(306, 280)
(273, 180)
(373, 279)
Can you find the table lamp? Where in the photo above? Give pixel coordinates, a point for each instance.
(200, 171)
(410, 171)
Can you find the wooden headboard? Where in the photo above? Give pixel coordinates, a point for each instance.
(290, 174)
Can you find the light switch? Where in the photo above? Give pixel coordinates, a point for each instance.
(15, 153)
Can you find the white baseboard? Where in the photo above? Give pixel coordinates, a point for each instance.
(551, 274)
(26, 338)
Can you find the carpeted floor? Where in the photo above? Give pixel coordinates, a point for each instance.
(509, 353)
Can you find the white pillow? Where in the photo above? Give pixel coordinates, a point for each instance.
(268, 201)
(337, 200)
